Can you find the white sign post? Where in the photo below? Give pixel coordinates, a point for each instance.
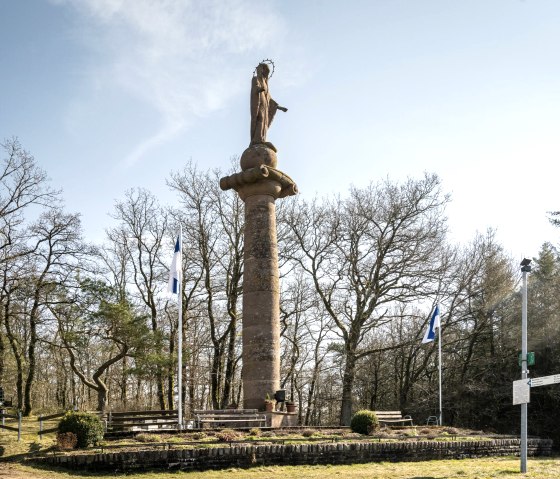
(521, 391)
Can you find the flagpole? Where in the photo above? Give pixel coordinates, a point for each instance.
(439, 361)
(429, 336)
(180, 338)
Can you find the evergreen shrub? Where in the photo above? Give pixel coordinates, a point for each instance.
(364, 422)
(87, 427)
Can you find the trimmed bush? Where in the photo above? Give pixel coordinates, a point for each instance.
(86, 426)
(147, 437)
(227, 435)
(364, 422)
(255, 431)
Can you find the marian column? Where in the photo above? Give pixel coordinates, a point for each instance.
(259, 185)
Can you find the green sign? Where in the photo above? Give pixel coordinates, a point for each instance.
(530, 359)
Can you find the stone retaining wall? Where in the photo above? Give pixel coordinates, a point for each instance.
(331, 453)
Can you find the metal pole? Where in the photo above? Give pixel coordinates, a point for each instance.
(40, 427)
(19, 427)
(524, 372)
(439, 359)
(180, 339)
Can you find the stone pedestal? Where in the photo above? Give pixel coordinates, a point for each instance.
(259, 186)
(279, 419)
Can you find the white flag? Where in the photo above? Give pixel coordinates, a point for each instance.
(175, 271)
(434, 323)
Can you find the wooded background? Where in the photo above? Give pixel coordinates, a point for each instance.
(91, 325)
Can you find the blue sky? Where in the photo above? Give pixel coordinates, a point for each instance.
(113, 94)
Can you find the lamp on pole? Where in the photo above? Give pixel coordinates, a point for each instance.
(525, 268)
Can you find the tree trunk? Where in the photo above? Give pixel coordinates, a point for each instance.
(227, 395)
(159, 369)
(310, 395)
(2, 353)
(347, 385)
(171, 370)
(101, 397)
(124, 381)
(27, 407)
(17, 354)
(216, 377)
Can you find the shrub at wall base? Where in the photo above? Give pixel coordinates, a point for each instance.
(87, 427)
(364, 422)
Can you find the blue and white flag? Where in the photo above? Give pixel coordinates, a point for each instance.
(434, 323)
(175, 271)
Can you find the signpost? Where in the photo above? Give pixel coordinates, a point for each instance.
(544, 381)
(522, 395)
(525, 268)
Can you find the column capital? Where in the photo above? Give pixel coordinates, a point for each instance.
(261, 180)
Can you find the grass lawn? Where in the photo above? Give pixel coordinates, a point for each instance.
(487, 468)
(14, 466)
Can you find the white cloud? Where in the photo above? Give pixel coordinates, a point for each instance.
(172, 54)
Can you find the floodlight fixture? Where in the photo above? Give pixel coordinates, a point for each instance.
(526, 265)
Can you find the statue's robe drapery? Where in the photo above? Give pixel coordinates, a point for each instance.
(263, 109)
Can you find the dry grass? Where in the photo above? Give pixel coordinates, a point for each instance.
(488, 468)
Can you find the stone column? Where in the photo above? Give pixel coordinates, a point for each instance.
(259, 187)
(261, 298)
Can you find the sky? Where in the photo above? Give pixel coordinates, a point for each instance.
(114, 94)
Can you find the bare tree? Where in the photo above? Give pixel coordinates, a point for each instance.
(375, 248)
(213, 226)
(22, 184)
(58, 245)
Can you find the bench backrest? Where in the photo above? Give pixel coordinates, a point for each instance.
(217, 412)
(388, 414)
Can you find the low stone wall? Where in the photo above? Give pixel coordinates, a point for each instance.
(261, 455)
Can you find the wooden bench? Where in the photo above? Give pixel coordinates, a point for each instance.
(392, 417)
(237, 418)
(140, 420)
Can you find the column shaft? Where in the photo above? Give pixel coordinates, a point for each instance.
(261, 302)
